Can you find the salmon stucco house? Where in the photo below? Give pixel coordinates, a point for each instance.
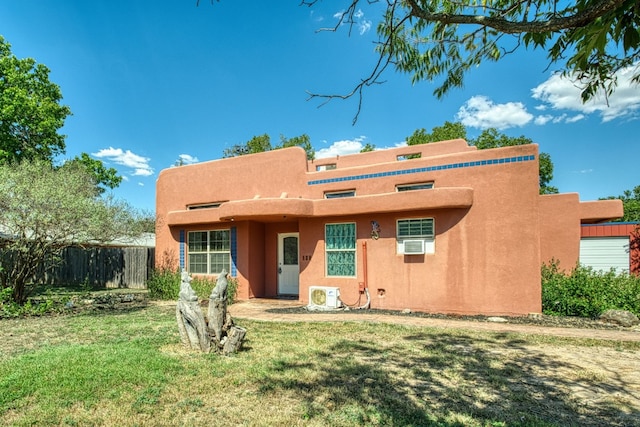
(441, 227)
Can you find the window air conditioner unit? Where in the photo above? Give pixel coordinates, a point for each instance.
(413, 247)
(324, 298)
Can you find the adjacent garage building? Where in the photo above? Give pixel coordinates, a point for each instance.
(613, 245)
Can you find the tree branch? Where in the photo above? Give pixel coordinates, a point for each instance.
(384, 59)
(579, 19)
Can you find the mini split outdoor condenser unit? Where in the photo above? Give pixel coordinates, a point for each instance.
(324, 297)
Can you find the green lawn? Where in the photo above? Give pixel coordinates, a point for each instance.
(128, 368)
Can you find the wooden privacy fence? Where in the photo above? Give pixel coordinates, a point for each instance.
(111, 267)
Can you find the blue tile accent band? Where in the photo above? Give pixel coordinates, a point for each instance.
(515, 159)
(234, 252)
(182, 249)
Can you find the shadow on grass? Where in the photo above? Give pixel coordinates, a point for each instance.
(443, 379)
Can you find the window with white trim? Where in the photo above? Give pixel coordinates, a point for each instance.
(340, 249)
(409, 232)
(209, 251)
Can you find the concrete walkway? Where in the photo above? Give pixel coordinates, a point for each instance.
(273, 310)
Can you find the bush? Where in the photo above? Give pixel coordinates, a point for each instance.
(204, 285)
(587, 293)
(164, 284)
(10, 308)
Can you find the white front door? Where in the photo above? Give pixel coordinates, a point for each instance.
(288, 268)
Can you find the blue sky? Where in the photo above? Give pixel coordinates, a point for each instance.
(150, 82)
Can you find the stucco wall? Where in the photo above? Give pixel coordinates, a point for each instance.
(492, 228)
(560, 229)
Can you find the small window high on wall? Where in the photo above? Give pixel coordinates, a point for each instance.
(339, 194)
(328, 167)
(414, 186)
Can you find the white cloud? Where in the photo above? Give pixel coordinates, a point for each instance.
(561, 93)
(187, 159)
(359, 21)
(340, 148)
(316, 18)
(139, 164)
(481, 112)
(562, 118)
(542, 120)
(364, 26)
(575, 118)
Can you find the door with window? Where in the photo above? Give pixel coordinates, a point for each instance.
(288, 266)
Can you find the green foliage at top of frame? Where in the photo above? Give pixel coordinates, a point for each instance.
(164, 284)
(586, 292)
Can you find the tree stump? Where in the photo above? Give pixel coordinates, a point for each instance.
(217, 332)
(217, 317)
(191, 323)
(235, 336)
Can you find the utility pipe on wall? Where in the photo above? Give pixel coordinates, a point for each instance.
(365, 283)
(365, 287)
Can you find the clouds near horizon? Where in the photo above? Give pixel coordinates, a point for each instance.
(340, 148)
(138, 165)
(561, 93)
(481, 112)
(559, 102)
(187, 159)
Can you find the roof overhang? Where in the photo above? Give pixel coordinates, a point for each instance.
(283, 209)
(600, 211)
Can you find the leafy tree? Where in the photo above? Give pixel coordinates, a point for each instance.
(30, 110)
(31, 116)
(302, 141)
(103, 177)
(368, 147)
(439, 133)
(44, 209)
(146, 222)
(589, 40)
(489, 138)
(257, 144)
(630, 203)
(262, 143)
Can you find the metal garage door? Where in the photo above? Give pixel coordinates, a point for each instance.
(604, 253)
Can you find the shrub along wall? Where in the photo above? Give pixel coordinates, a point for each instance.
(164, 284)
(587, 292)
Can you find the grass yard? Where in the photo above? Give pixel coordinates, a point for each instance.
(128, 368)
